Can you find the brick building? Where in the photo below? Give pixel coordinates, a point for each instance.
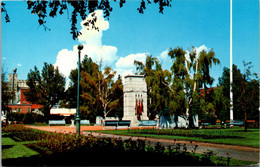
(20, 104)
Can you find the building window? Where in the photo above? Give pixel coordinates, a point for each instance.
(29, 110)
(19, 109)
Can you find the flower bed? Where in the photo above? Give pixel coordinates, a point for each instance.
(15, 128)
(70, 149)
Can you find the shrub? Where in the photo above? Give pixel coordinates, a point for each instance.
(28, 118)
(15, 116)
(15, 128)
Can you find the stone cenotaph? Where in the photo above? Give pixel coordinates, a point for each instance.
(135, 99)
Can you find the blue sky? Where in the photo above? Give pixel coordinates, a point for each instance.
(128, 35)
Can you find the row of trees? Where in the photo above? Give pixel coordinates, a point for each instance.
(179, 89)
(100, 93)
(245, 94)
(184, 90)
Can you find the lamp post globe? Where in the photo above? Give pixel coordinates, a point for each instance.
(80, 47)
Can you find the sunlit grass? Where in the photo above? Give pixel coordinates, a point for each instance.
(250, 138)
(12, 149)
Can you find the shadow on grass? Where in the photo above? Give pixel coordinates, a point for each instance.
(7, 146)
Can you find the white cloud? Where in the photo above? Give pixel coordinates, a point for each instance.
(4, 58)
(19, 65)
(198, 50)
(92, 42)
(164, 55)
(125, 65)
(88, 34)
(128, 61)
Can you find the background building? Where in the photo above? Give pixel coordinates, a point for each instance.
(19, 103)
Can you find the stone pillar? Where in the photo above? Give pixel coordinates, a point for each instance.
(134, 89)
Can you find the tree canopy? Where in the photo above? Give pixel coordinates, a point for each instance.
(245, 90)
(6, 94)
(46, 88)
(101, 94)
(81, 9)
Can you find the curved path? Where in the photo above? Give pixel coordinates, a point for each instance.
(236, 152)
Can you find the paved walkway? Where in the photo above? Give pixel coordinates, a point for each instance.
(236, 152)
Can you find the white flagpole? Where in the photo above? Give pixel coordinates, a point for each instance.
(231, 66)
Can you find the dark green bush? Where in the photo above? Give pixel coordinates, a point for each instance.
(15, 116)
(28, 118)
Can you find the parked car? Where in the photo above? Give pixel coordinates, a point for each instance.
(236, 123)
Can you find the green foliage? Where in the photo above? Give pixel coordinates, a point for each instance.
(70, 145)
(245, 94)
(15, 116)
(158, 95)
(99, 92)
(59, 148)
(46, 88)
(6, 94)
(191, 72)
(14, 128)
(28, 118)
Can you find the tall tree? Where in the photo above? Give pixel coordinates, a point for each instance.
(248, 91)
(6, 94)
(158, 96)
(191, 71)
(44, 9)
(70, 100)
(245, 89)
(46, 88)
(101, 91)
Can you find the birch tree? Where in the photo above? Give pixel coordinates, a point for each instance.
(99, 89)
(191, 71)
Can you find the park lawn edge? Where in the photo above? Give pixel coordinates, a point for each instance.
(156, 136)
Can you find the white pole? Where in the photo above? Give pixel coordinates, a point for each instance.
(231, 66)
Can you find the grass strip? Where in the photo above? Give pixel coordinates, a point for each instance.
(250, 138)
(12, 149)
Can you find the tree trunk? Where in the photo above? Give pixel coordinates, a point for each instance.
(176, 120)
(191, 122)
(245, 122)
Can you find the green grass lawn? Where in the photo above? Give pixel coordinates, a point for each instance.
(13, 149)
(250, 138)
